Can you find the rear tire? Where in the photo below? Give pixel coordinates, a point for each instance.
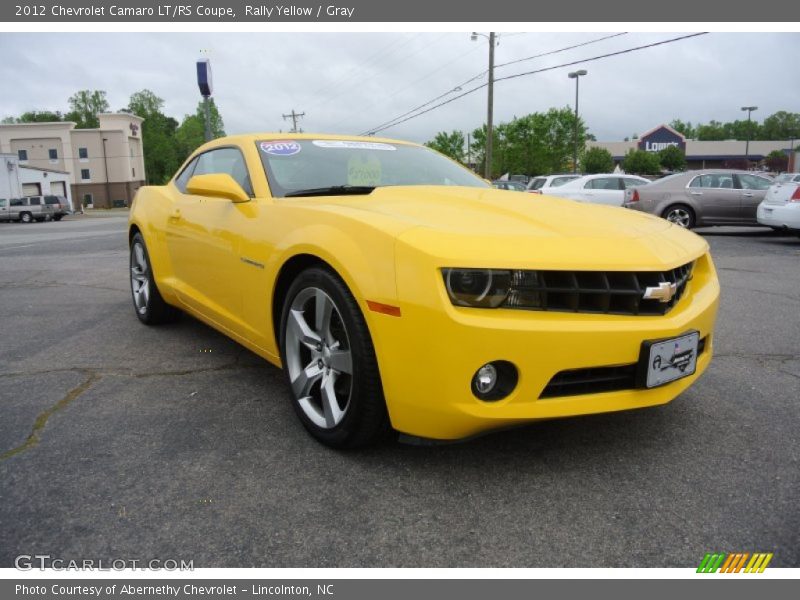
(26, 217)
(680, 215)
(58, 218)
(147, 301)
(330, 362)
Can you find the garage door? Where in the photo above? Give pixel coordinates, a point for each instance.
(31, 189)
(58, 188)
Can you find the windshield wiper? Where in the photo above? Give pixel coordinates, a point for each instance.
(334, 190)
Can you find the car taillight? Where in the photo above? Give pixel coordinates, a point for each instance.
(635, 196)
(796, 196)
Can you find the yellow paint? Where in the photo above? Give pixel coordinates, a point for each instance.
(389, 247)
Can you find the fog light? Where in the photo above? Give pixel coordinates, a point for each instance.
(494, 380)
(485, 379)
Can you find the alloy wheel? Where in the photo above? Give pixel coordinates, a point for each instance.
(140, 278)
(680, 217)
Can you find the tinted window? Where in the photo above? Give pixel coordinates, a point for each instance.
(225, 160)
(35, 201)
(753, 182)
(713, 180)
(558, 181)
(85, 174)
(630, 182)
(603, 183)
(182, 179)
(17, 202)
(3, 203)
(51, 200)
(537, 183)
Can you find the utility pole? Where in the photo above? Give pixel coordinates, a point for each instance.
(576, 75)
(490, 100)
(294, 116)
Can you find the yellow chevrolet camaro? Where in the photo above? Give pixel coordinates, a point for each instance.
(397, 290)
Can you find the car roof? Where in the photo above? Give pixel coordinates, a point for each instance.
(248, 138)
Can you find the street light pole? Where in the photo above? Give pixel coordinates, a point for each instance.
(576, 75)
(490, 101)
(749, 110)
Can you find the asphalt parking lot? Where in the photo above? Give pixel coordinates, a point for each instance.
(123, 441)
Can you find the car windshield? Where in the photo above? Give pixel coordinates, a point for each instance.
(787, 177)
(559, 181)
(334, 167)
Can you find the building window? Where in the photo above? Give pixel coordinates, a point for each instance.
(85, 174)
(22, 154)
(83, 153)
(88, 200)
(53, 154)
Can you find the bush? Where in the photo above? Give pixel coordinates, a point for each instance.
(597, 160)
(672, 158)
(639, 162)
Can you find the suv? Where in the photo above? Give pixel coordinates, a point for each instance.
(537, 185)
(59, 204)
(27, 209)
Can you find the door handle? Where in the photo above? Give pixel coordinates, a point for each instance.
(175, 215)
(696, 193)
(747, 195)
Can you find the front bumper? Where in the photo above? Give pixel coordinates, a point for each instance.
(428, 356)
(782, 216)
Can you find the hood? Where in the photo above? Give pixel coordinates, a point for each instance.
(517, 229)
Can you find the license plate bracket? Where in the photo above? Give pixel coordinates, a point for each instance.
(666, 360)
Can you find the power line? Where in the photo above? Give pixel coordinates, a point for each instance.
(516, 75)
(482, 73)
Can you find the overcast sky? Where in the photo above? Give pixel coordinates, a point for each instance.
(352, 82)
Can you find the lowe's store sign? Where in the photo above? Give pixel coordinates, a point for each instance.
(661, 137)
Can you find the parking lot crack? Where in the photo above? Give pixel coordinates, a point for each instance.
(90, 378)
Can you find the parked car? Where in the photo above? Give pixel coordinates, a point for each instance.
(408, 294)
(780, 209)
(513, 186)
(787, 178)
(700, 198)
(601, 188)
(540, 185)
(27, 210)
(60, 206)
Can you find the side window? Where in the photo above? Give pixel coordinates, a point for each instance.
(603, 183)
(3, 203)
(35, 200)
(629, 182)
(537, 183)
(17, 202)
(182, 179)
(225, 160)
(713, 180)
(753, 182)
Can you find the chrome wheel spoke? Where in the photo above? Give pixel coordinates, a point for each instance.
(140, 281)
(302, 382)
(300, 330)
(330, 404)
(341, 361)
(324, 310)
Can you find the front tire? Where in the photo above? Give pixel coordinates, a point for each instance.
(330, 363)
(26, 217)
(680, 215)
(147, 301)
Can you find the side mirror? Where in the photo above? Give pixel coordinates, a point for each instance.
(217, 185)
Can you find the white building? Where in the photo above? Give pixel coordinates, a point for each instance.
(18, 180)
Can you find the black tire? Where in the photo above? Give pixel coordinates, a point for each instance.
(58, 218)
(148, 305)
(26, 217)
(680, 215)
(365, 418)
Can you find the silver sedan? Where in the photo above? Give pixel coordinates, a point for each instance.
(700, 198)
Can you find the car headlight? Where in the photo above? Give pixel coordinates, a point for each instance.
(492, 288)
(483, 288)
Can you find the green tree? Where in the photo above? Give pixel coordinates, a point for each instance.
(597, 160)
(191, 132)
(640, 162)
(84, 106)
(672, 158)
(711, 131)
(161, 156)
(686, 129)
(38, 116)
(449, 144)
(781, 125)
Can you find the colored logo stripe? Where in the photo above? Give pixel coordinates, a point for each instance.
(734, 563)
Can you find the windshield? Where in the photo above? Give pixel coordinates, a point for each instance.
(333, 167)
(787, 177)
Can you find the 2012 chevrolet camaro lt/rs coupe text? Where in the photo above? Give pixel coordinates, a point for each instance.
(399, 291)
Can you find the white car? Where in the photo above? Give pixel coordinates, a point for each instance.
(780, 208)
(602, 188)
(543, 183)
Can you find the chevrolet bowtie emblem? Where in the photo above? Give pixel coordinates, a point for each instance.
(663, 293)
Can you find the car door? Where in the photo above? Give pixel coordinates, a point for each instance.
(716, 197)
(4, 216)
(603, 190)
(205, 240)
(753, 191)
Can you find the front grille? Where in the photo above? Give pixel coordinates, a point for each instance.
(595, 380)
(607, 292)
